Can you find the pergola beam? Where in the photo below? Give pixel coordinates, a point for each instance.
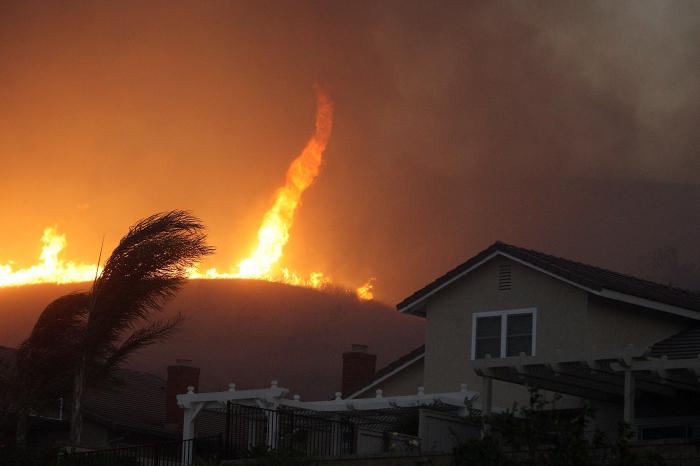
(617, 379)
(593, 359)
(655, 364)
(456, 399)
(558, 384)
(190, 398)
(573, 377)
(663, 370)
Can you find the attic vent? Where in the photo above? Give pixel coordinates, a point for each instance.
(504, 278)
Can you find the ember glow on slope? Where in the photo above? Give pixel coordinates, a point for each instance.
(264, 261)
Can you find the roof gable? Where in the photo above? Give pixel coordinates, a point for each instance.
(595, 280)
(391, 369)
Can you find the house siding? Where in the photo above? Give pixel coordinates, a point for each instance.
(613, 326)
(569, 319)
(404, 382)
(561, 323)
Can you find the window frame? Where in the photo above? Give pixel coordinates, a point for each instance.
(503, 314)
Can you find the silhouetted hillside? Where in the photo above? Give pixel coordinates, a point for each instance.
(250, 332)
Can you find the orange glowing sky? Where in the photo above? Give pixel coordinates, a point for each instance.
(456, 125)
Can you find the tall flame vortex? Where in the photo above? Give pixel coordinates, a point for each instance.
(273, 233)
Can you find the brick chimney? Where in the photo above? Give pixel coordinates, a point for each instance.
(180, 376)
(358, 368)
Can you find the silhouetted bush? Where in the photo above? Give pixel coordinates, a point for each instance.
(541, 435)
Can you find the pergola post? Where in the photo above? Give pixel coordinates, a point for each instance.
(191, 411)
(273, 419)
(187, 434)
(272, 428)
(630, 391)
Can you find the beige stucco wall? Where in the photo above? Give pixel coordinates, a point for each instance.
(613, 325)
(561, 318)
(405, 382)
(568, 318)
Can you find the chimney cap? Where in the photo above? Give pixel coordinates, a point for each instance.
(183, 362)
(358, 348)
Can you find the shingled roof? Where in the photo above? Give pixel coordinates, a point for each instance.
(393, 366)
(591, 278)
(682, 345)
(135, 403)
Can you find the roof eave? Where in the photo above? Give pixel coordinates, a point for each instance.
(648, 303)
(374, 383)
(411, 307)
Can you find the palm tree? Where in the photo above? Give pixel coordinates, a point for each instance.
(95, 332)
(44, 367)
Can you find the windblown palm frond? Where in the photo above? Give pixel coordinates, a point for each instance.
(61, 323)
(83, 337)
(147, 267)
(141, 338)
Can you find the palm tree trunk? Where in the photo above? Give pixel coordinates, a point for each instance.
(76, 420)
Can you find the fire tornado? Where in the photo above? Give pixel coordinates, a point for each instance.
(273, 233)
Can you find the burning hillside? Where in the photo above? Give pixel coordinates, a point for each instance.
(265, 260)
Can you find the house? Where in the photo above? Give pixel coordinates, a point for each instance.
(504, 321)
(131, 408)
(510, 318)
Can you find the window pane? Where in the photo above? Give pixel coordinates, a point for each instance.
(488, 327)
(486, 346)
(520, 324)
(488, 337)
(517, 345)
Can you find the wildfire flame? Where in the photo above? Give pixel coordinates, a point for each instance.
(51, 267)
(365, 291)
(273, 234)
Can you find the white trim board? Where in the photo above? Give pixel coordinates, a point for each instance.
(605, 293)
(374, 383)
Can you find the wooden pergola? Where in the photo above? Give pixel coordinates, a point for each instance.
(613, 376)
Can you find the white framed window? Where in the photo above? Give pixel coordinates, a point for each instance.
(504, 333)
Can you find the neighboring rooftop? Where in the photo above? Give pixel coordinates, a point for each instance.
(592, 278)
(136, 402)
(395, 365)
(682, 345)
